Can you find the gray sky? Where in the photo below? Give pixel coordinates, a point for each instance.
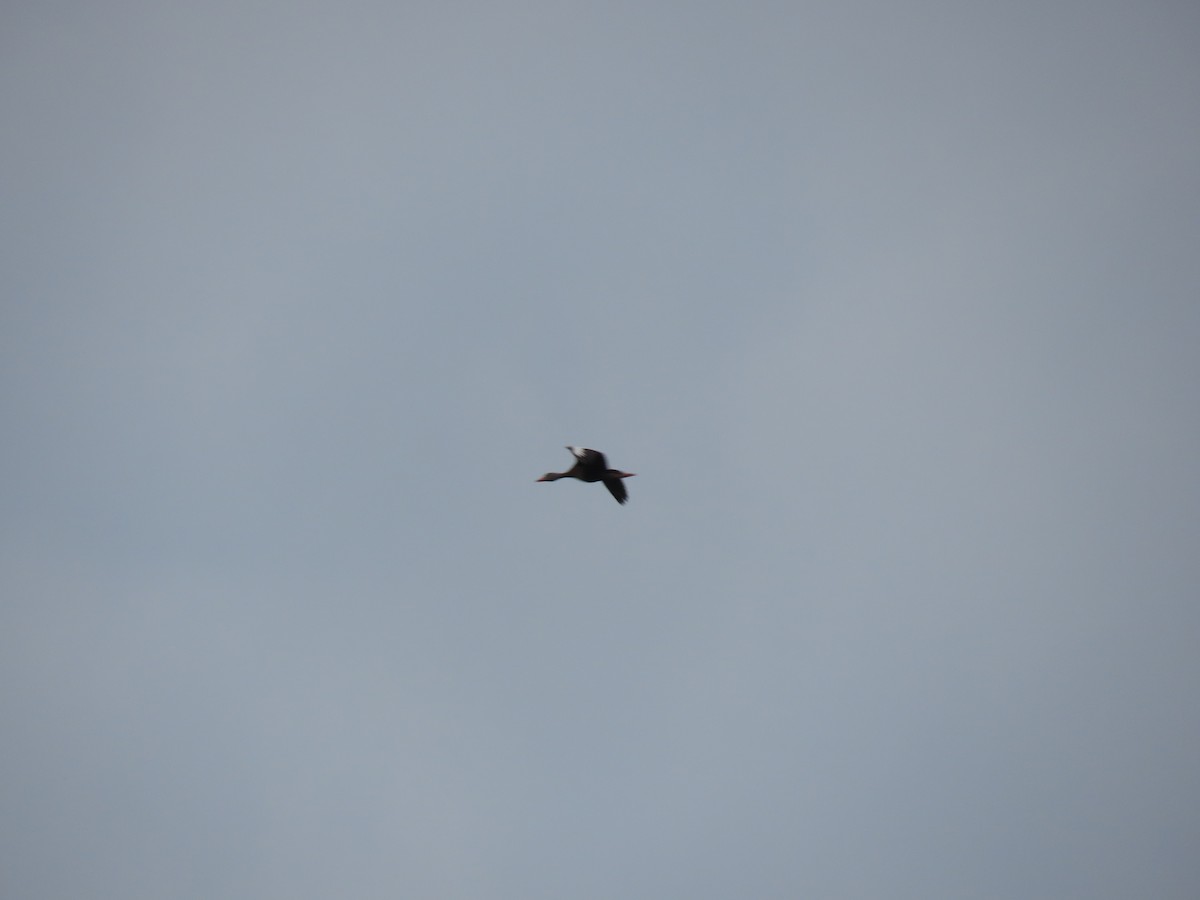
(893, 307)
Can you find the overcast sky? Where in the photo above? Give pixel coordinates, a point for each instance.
(894, 307)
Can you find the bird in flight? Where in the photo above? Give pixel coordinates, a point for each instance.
(590, 465)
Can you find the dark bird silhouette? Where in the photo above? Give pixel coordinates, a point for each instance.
(590, 465)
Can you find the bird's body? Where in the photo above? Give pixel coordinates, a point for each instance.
(591, 466)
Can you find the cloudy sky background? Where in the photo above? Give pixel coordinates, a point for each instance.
(893, 307)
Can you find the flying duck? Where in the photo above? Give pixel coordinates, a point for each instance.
(590, 465)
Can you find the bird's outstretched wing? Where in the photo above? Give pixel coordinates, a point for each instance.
(592, 459)
(616, 487)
